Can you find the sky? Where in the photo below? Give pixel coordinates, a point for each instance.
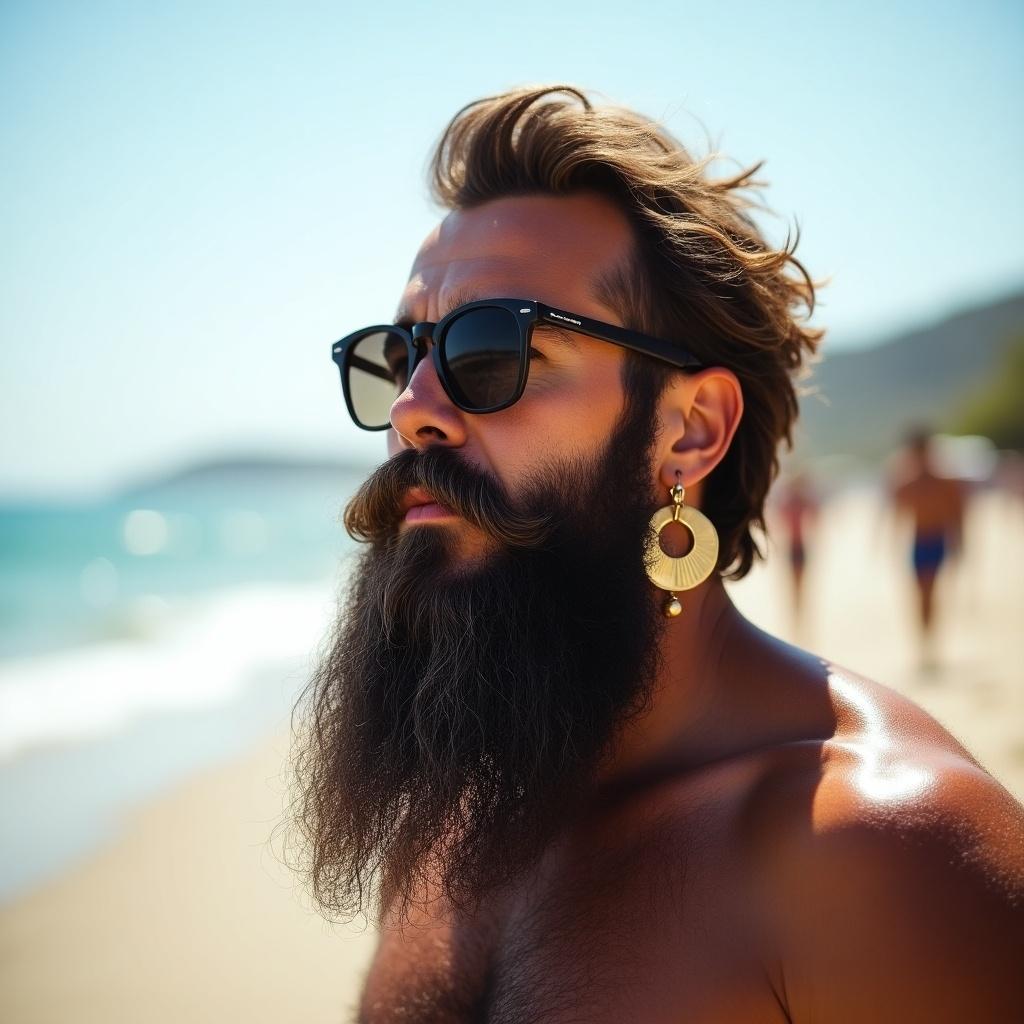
(196, 199)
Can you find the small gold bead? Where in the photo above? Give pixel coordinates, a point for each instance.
(673, 607)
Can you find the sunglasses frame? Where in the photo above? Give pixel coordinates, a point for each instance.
(528, 313)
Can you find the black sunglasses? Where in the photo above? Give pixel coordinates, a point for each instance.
(481, 354)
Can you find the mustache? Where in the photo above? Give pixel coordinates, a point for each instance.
(374, 514)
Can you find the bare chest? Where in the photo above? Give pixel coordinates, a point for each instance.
(652, 933)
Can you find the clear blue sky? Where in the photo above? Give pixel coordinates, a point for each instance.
(196, 198)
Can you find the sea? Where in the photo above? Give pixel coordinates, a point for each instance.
(152, 633)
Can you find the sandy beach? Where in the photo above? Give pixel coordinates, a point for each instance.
(188, 915)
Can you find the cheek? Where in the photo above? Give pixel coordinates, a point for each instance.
(584, 413)
(552, 425)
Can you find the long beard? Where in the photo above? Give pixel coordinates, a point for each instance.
(462, 712)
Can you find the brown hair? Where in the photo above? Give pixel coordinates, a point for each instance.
(702, 272)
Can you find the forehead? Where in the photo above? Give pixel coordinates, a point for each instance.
(552, 248)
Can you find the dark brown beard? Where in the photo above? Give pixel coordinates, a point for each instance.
(459, 717)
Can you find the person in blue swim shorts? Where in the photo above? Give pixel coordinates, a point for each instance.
(935, 505)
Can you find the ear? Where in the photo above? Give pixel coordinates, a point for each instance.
(698, 416)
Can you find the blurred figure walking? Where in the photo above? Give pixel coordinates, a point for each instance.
(798, 509)
(935, 505)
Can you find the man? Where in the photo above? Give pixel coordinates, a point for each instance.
(798, 512)
(570, 780)
(934, 504)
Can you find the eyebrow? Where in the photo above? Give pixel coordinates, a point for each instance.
(459, 297)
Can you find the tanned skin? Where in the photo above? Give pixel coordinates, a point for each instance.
(776, 838)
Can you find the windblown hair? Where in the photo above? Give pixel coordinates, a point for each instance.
(701, 273)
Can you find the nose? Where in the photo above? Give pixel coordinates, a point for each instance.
(423, 415)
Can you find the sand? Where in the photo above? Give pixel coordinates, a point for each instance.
(188, 916)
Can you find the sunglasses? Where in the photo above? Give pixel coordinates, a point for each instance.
(481, 354)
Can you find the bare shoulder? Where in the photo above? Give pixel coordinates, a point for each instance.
(891, 872)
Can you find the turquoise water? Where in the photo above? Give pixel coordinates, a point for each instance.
(146, 636)
(72, 574)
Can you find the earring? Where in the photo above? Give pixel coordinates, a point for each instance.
(696, 565)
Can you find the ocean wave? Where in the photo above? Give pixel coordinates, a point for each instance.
(193, 655)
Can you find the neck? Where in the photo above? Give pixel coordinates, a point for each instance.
(688, 720)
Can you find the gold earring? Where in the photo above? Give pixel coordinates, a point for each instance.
(696, 565)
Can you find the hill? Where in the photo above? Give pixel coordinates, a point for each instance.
(255, 470)
(865, 399)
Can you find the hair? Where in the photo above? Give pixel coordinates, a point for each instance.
(701, 271)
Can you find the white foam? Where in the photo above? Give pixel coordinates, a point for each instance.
(197, 657)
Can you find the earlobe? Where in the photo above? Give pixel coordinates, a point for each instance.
(699, 416)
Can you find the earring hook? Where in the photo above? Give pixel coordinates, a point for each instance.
(677, 492)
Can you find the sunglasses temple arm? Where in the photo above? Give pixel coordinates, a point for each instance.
(663, 350)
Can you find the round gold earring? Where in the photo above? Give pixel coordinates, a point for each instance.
(689, 570)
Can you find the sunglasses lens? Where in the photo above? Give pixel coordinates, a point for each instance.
(378, 371)
(482, 358)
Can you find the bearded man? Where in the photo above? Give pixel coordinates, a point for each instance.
(544, 750)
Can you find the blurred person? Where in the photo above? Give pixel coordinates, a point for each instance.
(1009, 475)
(935, 506)
(798, 510)
(542, 748)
